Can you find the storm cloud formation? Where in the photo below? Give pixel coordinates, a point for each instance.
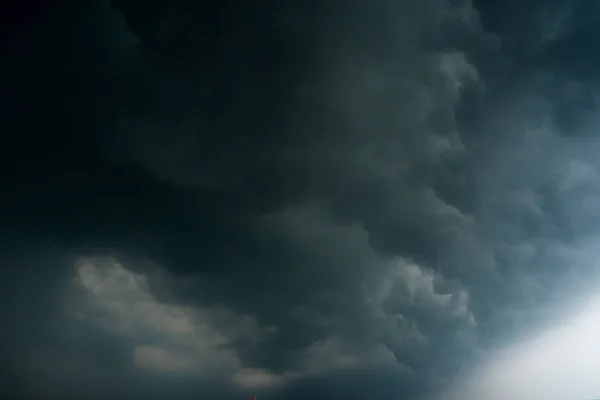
(303, 199)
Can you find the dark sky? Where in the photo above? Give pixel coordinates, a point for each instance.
(324, 199)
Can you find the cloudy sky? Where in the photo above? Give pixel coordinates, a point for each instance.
(386, 199)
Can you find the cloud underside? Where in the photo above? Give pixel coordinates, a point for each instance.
(166, 338)
(377, 199)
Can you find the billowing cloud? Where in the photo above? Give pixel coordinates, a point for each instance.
(164, 337)
(311, 199)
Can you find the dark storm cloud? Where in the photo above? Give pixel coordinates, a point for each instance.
(355, 135)
(316, 199)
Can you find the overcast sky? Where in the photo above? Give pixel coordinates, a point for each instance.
(324, 199)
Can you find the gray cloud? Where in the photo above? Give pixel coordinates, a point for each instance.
(317, 200)
(166, 337)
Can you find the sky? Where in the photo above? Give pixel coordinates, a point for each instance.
(386, 199)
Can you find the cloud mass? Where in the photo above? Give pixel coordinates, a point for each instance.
(385, 199)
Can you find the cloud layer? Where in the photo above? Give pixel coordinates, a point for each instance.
(310, 199)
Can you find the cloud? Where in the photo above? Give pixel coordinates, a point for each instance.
(167, 338)
(305, 200)
(553, 364)
(164, 337)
